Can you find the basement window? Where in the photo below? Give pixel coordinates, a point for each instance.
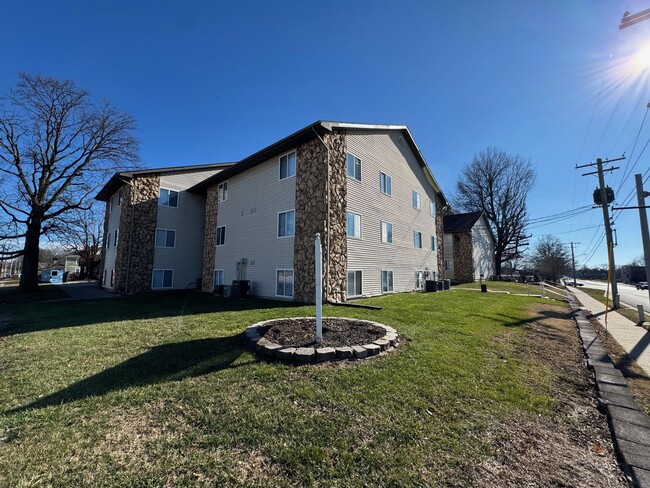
(162, 278)
(355, 283)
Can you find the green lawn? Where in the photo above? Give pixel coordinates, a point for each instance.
(159, 389)
(508, 286)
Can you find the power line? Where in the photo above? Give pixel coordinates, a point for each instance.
(633, 147)
(559, 214)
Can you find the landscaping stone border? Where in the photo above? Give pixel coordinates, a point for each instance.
(628, 423)
(308, 355)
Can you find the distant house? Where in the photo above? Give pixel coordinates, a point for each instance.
(468, 247)
(72, 266)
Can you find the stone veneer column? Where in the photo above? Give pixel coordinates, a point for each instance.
(311, 216)
(209, 239)
(440, 241)
(463, 257)
(140, 198)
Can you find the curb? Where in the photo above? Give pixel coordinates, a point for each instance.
(628, 423)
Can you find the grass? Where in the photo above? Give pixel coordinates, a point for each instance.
(159, 389)
(507, 286)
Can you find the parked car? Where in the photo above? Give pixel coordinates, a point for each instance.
(642, 285)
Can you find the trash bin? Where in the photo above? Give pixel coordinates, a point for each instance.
(430, 285)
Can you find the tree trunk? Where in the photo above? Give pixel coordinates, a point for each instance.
(497, 263)
(29, 276)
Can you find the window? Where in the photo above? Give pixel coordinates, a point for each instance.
(286, 223)
(162, 278)
(288, 165)
(354, 167)
(117, 235)
(419, 280)
(386, 232)
(385, 184)
(417, 239)
(218, 277)
(449, 265)
(386, 281)
(432, 208)
(448, 240)
(110, 205)
(355, 286)
(354, 225)
(120, 197)
(104, 280)
(165, 238)
(284, 283)
(416, 200)
(108, 241)
(112, 277)
(168, 198)
(433, 243)
(222, 192)
(221, 235)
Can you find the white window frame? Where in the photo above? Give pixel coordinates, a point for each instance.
(112, 278)
(293, 282)
(417, 233)
(116, 235)
(383, 179)
(449, 264)
(223, 277)
(110, 204)
(434, 244)
(222, 192)
(347, 284)
(163, 287)
(432, 207)
(108, 242)
(120, 197)
(384, 234)
(416, 200)
(169, 190)
(353, 176)
(166, 234)
(392, 281)
(286, 155)
(286, 212)
(223, 235)
(354, 220)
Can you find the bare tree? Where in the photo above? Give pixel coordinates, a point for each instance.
(498, 183)
(550, 258)
(57, 146)
(83, 237)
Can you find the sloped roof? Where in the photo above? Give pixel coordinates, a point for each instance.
(305, 134)
(460, 222)
(118, 179)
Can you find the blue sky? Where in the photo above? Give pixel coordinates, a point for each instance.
(216, 81)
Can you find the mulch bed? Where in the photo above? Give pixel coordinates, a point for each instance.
(336, 332)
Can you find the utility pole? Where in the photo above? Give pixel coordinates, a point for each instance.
(643, 217)
(606, 197)
(573, 261)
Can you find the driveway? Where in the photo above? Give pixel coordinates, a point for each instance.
(83, 290)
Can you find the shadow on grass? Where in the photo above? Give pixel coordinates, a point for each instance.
(508, 321)
(36, 317)
(168, 362)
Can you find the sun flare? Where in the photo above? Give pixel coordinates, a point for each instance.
(642, 57)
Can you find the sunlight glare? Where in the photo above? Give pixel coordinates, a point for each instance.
(642, 58)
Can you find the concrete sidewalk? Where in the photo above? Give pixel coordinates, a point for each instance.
(633, 338)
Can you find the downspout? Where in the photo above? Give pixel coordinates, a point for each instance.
(327, 219)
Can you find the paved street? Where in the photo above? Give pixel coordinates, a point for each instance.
(628, 293)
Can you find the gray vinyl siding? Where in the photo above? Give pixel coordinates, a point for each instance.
(255, 197)
(187, 220)
(113, 224)
(380, 151)
(483, 250)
